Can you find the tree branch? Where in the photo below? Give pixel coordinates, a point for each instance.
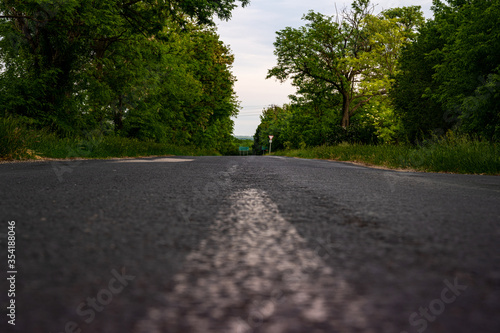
(351, 112)
(16, 16)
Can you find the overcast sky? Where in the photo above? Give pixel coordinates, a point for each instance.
(251, 33)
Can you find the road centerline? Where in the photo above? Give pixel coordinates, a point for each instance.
(254, 271)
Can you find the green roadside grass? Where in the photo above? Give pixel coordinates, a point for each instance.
(19, 143)
(450, 155)
(110, 147)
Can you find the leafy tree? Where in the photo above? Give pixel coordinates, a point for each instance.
(273, 122)
(311, 119)
(187, 96)
(353, 56)
(481, 111)
(212, 63)
(378, 122)
(38, 51)
(49, 47)
(468, 74)
(418, 112)
(449, 76)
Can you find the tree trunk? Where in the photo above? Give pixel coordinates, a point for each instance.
(118, 116)
(345, 110)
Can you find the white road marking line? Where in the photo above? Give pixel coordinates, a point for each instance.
(255, 272)
(156, 160)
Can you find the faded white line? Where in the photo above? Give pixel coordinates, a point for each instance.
(156, 160)
(279, 157)
(254, 272)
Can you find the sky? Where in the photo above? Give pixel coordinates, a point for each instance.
(250, 35)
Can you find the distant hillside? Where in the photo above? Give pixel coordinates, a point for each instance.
(244, 137)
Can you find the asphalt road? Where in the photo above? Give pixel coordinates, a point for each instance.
(247, 244)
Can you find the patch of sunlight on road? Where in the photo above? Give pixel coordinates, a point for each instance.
(254, 272)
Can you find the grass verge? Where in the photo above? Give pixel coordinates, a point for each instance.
(450, 154)
(19, 143)
(110, 146)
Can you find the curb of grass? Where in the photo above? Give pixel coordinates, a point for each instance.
(388, 167)
(360, 163)
(53, 159)
(372, 166)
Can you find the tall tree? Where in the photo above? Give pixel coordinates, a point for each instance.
(187, 93)
(449, 77)
(273, 122)
(418, 112)
(50, 43)
(468, 76)
(353, 54)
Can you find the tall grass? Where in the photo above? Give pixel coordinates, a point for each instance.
(16, 139)
(18, 142)
(456, 154)
(452, 153)
(111, 146)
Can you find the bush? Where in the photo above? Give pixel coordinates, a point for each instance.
(18, 141)
(15, 139)
(352, 134)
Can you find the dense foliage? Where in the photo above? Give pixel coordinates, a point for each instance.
(449, 77)
(391, 77)
(150, 70)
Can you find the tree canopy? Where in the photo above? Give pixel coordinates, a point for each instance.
(352, 54)
(449, 77)
(152, 69)
(389, 77)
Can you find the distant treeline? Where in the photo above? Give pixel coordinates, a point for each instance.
(388, 78)
(149, 70)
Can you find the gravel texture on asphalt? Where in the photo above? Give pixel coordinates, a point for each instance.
(248, 244)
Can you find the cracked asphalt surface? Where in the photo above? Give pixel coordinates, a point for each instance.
(248, 244)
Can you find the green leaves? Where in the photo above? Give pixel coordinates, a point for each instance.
(443, 77)
(150, 69)
(353, 56)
